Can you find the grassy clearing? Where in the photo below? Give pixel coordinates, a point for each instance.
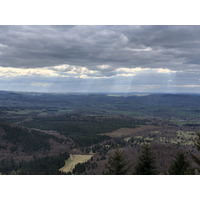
(24, 112)
(127, 139)
(73, 160)
(43, 114)
(21, 112)
(114, 95)
(155, 132)
(179, 122)
(62, 111)
(142, 95)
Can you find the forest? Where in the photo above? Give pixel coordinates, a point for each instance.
(45, 133)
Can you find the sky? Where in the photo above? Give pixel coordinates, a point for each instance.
(98, 59)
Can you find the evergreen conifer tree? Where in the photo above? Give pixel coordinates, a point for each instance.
(180, 166)
(117, 163)
(146, 163)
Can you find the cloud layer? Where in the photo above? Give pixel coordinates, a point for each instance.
(100, 58)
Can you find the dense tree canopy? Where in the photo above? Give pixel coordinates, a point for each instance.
(48, 165)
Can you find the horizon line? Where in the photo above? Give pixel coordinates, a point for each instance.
(123, 93)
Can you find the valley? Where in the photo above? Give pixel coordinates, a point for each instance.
(89, 127)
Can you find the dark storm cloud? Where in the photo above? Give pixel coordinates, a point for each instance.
(173, 47)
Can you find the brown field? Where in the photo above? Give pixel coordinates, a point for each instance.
(125, 132)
